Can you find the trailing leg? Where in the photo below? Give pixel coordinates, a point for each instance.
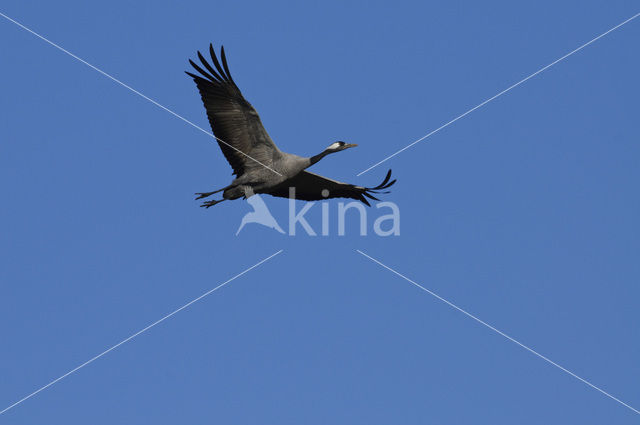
(208, 204)
(240, 191)
(207, 194)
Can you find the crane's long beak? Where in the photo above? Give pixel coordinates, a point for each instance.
(350, 145)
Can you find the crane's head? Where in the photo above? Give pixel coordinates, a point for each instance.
(339, 146)
(333, 147)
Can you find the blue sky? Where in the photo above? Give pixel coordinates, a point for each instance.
(524, 213)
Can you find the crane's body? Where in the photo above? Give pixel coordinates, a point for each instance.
(257, 162)
(261, 179)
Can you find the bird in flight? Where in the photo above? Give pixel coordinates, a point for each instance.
(258, 164)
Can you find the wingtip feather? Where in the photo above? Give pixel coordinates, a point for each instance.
(223, 56)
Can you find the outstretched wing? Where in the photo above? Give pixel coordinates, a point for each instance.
(235, 123)
(309, 187)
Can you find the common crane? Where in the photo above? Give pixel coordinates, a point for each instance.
(258, 164)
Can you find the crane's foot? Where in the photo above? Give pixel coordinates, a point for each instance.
(208, 204)
(205, 194)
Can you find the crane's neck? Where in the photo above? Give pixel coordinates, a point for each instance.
(318, 157)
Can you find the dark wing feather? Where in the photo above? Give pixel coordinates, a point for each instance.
(309, 187)
(235, 123)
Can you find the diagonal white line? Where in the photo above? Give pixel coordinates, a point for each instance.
(498, 331)
(134, 90)
(501, 93)
(138, 333)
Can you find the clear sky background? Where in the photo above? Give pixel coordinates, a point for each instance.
(525, 213)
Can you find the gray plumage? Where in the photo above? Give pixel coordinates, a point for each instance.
(258, 164)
